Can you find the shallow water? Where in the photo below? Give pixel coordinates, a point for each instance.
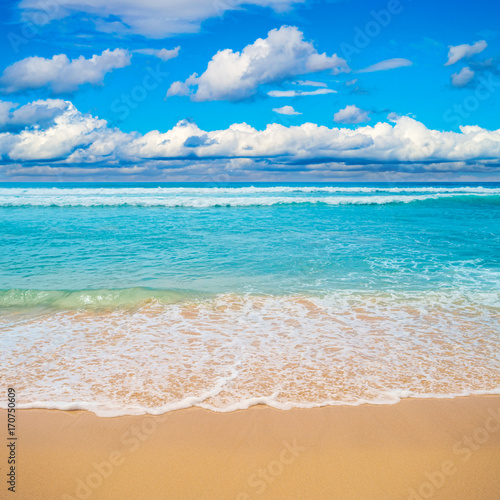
(136, 298)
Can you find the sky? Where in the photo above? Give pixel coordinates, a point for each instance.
(255, 90)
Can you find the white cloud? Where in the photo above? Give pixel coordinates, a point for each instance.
(39, 113)
(462, 78)
(351, 114)
(310, 83)
(150, 18)
(68, 133)
(351, 82)
(163, 54)
(458, 52)
(235, 76)
(60, 73)
(286, 110)
(73, 138)
(397, 62)
(298, 93)
(5, 107)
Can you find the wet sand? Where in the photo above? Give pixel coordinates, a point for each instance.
(416, 449)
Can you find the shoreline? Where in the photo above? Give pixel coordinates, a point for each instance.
(414, 449)
(102, 410)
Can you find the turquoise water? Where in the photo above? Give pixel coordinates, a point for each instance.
(382, 257)
(422, 238)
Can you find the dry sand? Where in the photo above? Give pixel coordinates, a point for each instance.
(416, 449)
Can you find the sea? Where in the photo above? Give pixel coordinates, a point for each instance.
(139, 298)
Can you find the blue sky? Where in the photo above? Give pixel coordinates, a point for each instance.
(341, 49)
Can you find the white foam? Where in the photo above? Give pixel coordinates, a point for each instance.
(110, 410)
(75, 200)
(238, 190)
(232, 352)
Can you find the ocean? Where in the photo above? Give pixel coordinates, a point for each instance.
(146, 298)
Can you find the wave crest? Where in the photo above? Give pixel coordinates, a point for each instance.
(219, 201)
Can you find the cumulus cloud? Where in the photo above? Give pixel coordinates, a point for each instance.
(36, 114)
(74, 138)
(458, 52)
(397, 62)
(351, 115)
(163, 54)
(235, 76)
(69, 134)
(60, 73)
(299, 93)
(286, 110)
(150, 18)
(462, 78)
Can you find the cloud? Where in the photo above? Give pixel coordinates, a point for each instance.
(198, 140)
(39, 113)
(387, 64)
(458, 52)
(150, 18)
(462, 78)
(163, 54)
(286, 110)
(60, 73)
(73, 139)
(310, 83)
(299, 93)
(354, 88)
(351, 114)
(68, 133)
(5, 107)
(234, 76)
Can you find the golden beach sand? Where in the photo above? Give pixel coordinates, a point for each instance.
(415, 449)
